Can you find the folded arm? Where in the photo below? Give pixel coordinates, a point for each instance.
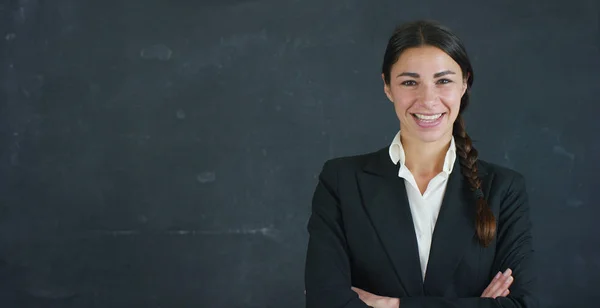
(514, 250)
(327, 273)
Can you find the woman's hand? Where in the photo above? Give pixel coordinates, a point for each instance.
(497, 288)
(377, 301)
(499, 285)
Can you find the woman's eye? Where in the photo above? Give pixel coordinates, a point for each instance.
(409, 83)
(444, 81)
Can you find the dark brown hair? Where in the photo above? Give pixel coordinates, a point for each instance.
(431, 33)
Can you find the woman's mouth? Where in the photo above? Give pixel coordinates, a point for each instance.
(428, 120)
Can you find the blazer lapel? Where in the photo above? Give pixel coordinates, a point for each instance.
(454, 230)
(385, 200)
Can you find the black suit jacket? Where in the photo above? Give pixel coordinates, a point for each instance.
(361, 234)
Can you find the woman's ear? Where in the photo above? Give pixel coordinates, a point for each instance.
(386, 89)
(465, 85)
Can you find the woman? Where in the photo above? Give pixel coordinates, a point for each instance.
(372, 240)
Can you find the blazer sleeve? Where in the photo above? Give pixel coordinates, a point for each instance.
(327, 269)
(514, 250)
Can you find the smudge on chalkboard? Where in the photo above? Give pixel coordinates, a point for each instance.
(143, 219)
(206, 177)
(559, 150)
(19, 15)
(156, 52)
(265, 231)
(572, 202)
(51, 292)
(94, 88)
(268, 232)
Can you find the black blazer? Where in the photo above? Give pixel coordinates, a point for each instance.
(361, 234)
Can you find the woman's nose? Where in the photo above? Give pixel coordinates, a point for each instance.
(428, 95)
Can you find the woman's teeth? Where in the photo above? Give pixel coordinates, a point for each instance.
(428, 118)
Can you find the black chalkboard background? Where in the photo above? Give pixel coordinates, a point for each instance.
(164, 153)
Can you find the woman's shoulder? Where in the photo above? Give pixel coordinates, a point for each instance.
(489, 168)
(353, 162)
(501, 179)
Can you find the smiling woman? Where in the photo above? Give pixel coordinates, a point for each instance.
(426, 91)
(422, 222)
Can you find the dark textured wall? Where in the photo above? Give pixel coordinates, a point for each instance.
(164, 153)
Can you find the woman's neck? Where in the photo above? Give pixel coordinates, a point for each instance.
(425, 158)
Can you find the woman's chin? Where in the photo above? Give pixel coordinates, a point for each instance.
(430, 135)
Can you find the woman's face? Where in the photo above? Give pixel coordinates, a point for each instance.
(426, 86)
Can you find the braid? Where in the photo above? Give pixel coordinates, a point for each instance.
(485, 221)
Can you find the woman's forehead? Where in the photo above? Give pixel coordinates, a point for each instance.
(425, 58)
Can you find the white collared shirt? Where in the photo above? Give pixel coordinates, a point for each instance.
(426, 207)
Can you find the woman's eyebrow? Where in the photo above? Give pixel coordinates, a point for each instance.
(409, 74)
(436, 75)
(444, 73)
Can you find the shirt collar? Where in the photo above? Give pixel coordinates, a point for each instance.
(397, 154)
